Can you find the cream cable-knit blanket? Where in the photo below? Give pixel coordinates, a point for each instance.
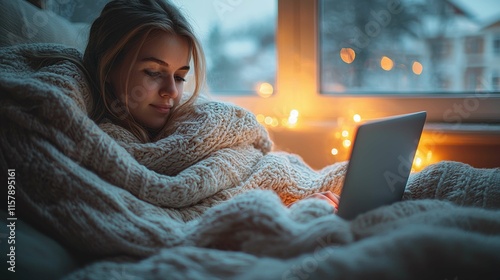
(206, 202)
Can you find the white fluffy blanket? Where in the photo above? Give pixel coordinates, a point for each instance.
(207, 201)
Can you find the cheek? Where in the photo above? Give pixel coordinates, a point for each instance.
(180, 91)
(139, 91)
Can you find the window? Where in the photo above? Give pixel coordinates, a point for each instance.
(305, 60)
(495, 80)
(496, 45)
(399, 47)
(369, 46)
(473, 78)
(473, 45)
(238, 38)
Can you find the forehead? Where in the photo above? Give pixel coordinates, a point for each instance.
(170, 48)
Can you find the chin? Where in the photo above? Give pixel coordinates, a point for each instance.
(153, 126)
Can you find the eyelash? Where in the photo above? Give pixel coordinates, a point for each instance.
(180, 79)
(153, 74)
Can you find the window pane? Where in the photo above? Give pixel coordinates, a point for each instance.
(238, 38)
(409, 46)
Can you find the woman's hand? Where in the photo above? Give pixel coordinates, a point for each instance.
(328, 196)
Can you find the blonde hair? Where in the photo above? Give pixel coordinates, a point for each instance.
(123, 26)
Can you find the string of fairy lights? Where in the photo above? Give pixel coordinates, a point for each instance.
(342, 138)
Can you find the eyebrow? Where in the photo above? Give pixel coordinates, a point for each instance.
(163, 63)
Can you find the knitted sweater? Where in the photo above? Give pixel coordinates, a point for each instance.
(220, 149)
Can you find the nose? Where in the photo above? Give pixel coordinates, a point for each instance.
(169, 88)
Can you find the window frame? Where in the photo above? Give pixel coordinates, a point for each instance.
(298, 83)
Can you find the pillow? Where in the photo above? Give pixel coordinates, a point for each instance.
(35, 255)
(21, 22)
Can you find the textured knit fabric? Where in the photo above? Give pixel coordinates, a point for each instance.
(221, 149)
(207, 201)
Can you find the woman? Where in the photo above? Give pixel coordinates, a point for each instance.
(138, 68)
(124, 58)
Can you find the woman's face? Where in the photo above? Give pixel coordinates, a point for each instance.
(156, 79)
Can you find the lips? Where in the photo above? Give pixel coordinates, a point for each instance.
(162, 109)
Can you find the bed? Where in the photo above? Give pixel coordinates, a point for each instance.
(88, 206)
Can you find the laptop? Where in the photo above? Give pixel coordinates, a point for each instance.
(380, 163)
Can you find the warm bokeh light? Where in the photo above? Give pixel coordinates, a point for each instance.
(279, 121)
(265, 90)
(386, 63)
(260, 118)
(417, 68)
(347, 55)
(417, 162)
(346, 143)
(429, 155)
(423, 157)
(275, 122)
(343, 137)
(293, 117)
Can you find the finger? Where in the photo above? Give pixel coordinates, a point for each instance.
(333, 197)
(327, 199)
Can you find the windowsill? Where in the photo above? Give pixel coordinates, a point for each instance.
(327, 110)
(475, 144)
(492, 129)
(465, 128)
(466, 133)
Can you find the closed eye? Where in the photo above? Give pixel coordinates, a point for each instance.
(179, 79)
(152, 74)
